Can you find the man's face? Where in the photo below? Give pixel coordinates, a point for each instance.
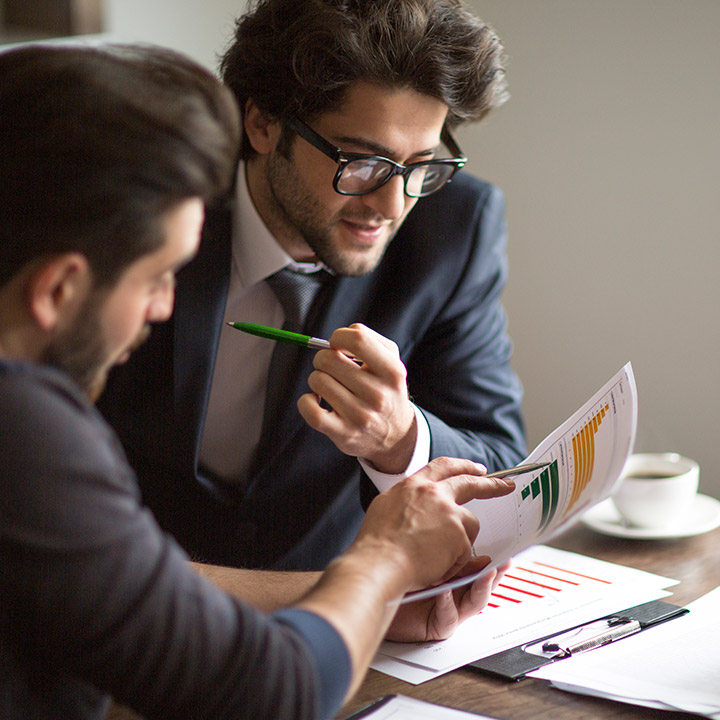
(114, 322)
(296, 198)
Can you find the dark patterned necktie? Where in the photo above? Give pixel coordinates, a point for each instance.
(296, 293)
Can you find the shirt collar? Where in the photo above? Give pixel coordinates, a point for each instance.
(256, 254)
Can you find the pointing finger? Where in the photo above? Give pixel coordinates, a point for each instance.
(470, 487)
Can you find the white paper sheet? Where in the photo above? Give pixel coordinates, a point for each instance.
(401, 707)
(586, 454)
(545, 591)
(675, 665)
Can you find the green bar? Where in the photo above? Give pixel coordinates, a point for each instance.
(555, 480)
(545, 482)
(535, 485)
(554, 491)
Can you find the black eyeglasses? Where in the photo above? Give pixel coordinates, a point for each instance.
(360, 173)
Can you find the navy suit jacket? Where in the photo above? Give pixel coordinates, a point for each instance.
(435, 293)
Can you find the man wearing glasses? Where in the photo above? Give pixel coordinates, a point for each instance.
(343, 191)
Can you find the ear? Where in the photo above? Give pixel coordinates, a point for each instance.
(263, 132)
(57, 288)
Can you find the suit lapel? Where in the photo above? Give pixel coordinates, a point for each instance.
(199, 308)
(348, 303)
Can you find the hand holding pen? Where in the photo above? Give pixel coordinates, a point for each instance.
(323, 380)
(363, 381)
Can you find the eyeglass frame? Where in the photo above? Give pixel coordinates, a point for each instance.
(343, 158)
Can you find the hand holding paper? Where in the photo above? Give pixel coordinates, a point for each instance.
(586, 455)
(422, 522)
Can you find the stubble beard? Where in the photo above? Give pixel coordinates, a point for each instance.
(82, 353)
(300, 215)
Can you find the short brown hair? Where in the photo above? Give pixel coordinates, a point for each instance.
(298, 57)
(97, 143)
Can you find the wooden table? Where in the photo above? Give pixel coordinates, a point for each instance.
(695, 561)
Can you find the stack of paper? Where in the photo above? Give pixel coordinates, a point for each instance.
(546, 591)
(674, 666)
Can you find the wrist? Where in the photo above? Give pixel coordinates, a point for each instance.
(395, 459)
(380, 562)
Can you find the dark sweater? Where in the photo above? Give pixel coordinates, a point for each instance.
(96, 601)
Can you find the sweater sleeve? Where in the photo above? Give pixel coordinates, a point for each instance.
(99, 596)
(330, 653)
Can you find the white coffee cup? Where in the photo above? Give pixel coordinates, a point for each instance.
(657, 489)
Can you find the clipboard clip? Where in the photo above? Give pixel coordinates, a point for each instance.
(515, 663)
(585, 637)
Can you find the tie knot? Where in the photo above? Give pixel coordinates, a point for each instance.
(296, 292)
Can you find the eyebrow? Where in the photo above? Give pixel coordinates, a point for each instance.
(177, 266)
(378, 149)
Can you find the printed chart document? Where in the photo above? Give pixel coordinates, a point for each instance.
(545, 591)
(586, 455)
(680, 662)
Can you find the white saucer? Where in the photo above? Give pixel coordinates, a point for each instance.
(703, 516)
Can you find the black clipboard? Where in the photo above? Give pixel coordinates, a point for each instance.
(515, 663)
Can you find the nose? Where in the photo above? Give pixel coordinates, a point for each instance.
(389, 200)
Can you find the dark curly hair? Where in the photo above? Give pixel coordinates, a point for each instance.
(298, 57)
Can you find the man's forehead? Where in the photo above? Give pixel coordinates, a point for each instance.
(386, 116)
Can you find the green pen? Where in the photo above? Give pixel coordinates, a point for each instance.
(282, 335)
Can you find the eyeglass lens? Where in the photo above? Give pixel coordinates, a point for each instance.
(362, 176)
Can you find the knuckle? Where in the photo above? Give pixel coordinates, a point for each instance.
(445, 466)
(376, 398)
(363, 422)
(323, 359)
(442, 462)
(317, 381)
(398, 375)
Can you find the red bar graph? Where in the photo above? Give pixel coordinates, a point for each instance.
(535, 580)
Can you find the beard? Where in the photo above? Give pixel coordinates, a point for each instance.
(82, 353)
(298, 213)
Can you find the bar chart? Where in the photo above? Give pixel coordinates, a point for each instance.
(545, 590)
(545, 486)
(583, 446)
(585, 455)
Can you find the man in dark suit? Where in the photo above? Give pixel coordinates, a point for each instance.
(346, 159)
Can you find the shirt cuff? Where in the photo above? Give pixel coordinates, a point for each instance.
(332, 658)
(419, 459)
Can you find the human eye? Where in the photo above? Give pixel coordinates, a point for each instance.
(363, 173)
